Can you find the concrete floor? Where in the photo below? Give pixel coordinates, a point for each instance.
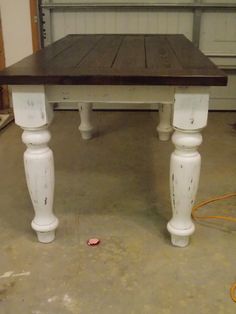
(115, 187)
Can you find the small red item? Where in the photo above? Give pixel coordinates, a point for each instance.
(93, 242)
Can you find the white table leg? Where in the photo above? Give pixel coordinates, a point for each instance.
(164, 127)
(86, 128)
(34, 114)
(190, 116)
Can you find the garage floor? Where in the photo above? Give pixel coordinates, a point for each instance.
(115, 187)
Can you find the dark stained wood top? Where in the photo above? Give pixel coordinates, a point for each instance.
(116, 60)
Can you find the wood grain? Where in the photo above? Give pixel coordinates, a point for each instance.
(117, 60)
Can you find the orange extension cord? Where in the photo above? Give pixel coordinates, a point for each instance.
(195, 217)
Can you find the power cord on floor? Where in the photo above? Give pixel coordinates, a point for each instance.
(228, 218)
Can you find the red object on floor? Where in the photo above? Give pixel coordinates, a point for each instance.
(93, 241)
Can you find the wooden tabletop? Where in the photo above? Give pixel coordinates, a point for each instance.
(116, 60)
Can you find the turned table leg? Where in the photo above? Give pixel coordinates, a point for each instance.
(34, 114)
(86, 128)
(190, 116)
(164, 128)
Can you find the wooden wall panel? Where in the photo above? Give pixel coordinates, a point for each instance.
(218, 33)
(120, 21)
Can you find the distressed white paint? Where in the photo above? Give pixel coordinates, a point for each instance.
(164, 128)
(189, 117)
(191, 107)
(110, 93)
(31, 107)
(33, 114)
(110, 106)
(185, 163)
(39, 170)
(85, 128)
(184, 177)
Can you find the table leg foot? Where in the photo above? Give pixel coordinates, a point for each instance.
(85, 128)
(164, 128)
(180, 238)
(163, 136)
(86, 135)
(180, 241)
(46, 237)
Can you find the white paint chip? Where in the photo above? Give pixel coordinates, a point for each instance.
(67, 299)
(27, 273)
(11, 274)
(7, 274)
(52, 299)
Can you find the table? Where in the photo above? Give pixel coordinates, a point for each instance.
(162, 69)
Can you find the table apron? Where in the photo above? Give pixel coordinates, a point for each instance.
(110, 93)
